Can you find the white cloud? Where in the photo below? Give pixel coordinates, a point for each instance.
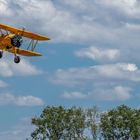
(126, 5)
(74, 95)
(24, 68)
(98, 54)
(10, 99)
(80, 22)
(19, 131)
(3, 84)
(121, 71)
(117, 93)
(109, 72)
(100, 82)
(61, 23)
(4, 10)
(130, 67)
(116, 26)
(77, 3)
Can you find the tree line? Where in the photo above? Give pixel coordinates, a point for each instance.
(60, 123)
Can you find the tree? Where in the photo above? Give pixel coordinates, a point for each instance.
(57, 123)
(93, 118)
(75, 124)
(50, 124)
(122, 123)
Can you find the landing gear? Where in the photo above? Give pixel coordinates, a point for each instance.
(1, 54)
(17, 59)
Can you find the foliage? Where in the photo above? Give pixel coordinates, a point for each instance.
(92, 121)
(75, 124)
(122, 123)
(59, 123)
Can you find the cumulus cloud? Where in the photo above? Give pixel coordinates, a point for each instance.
(4, 10)
(79, 22)
(116, 93)
(19, 131)
(24, 68)
(3, 84)
(127, 6)
(10, 99)
(116, 26)
(62, 23)
(82, 22)
(101, 82)
(108, 72)
(74, 95)
(98, 54)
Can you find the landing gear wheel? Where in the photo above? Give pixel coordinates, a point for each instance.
(1, 54)
(17, 59)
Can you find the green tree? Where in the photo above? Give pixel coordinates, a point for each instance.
(50, 124)
(57, 123)
(92, 121)
(75, 124)
(122, 123)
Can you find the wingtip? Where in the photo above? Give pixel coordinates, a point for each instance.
(48, 38)
(45, 38)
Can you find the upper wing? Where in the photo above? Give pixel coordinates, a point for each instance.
(24, 52)
(24, 33)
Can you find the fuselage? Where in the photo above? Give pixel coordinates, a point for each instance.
(9, 41)
(5, 41)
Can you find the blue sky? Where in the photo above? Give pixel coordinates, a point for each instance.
(91, 60)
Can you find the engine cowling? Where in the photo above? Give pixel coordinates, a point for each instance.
(16, 41)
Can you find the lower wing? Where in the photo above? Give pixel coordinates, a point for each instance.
(24, 52)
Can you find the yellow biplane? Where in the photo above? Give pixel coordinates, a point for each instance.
(11, 40)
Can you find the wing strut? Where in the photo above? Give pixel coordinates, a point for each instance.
(32, 45)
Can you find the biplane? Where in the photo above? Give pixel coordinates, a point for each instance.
(11, 39)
